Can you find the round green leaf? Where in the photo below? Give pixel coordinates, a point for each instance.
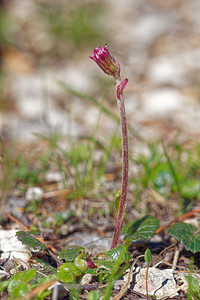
(67, 272)
(185, 233)
(80, 264)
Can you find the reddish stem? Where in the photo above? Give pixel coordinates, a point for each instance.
(147, 293)
(124, 133)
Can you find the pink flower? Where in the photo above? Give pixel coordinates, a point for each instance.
(120, 87)
(105, 61)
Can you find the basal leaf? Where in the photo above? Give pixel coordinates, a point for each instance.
(115, 253)
(185, 233)
(18, 284)
(141, 229)
(104, 264)
(29, 240)
(80, 263)
(70, 254)
(94, 295)
(67, 272)
(193, 287)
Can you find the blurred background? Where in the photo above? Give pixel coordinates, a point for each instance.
(51, 91)
(42, 41)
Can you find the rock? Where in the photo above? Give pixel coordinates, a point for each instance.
(161, 283)
(34, 193)
(163, 101)
(12, 248)
(54, 176)
(91, 241)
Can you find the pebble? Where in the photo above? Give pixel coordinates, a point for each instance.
(34, 193)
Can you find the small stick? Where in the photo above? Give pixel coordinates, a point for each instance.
(127, 284)
(187, 215)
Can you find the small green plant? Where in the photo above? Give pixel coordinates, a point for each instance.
(169, 171)
(148, 260)
(22, 283)
(24, 173)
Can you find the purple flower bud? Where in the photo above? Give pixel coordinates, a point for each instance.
(105, 61)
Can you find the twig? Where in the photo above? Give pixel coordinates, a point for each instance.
(127, 284)
(183, 217)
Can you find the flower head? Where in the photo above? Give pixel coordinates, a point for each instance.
(105, 61)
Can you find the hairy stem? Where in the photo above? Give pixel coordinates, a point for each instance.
(124, 133)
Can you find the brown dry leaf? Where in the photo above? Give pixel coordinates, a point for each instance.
(60, 194)
(159, 198)
(16, 62)
(109, 176)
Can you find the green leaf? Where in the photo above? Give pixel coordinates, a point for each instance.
(94, 295)
(162, 178)
(17, 289)
(190, 188)
(80, 263)
(70, 254)
(117, 201)
(193, 289)
(93, 272)
(4, 285)
(68, 272)
(25, 276)
(148, 256)
(27, 239)
(185, 233)
(115, 253)
(141, 229)
(104, 264)
(18, 284)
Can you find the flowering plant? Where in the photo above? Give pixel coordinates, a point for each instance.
(111, 67)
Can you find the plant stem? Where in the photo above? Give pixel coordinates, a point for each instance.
(147, 292)
(124, 133)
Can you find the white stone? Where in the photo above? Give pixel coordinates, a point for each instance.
(54, 176)
(166, 70)
(161, 283)
(86, 279)
(34, 193)
(150, 26)
(161, 102)
(12, 248)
